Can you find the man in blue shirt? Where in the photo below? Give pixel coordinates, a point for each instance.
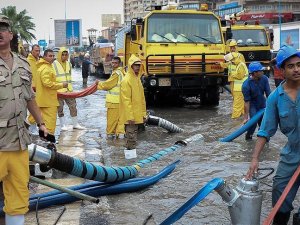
(283, 109)
(254, 90)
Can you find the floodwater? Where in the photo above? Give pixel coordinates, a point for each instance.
(200, 163)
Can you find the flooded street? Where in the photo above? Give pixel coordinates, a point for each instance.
(200, 163)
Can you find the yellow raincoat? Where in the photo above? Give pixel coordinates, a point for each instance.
(33, 66)
(112, 85)
(46, 93)
(63, 71)
(237, 74)
(132, 99)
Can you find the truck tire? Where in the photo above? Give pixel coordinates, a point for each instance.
(210, 96)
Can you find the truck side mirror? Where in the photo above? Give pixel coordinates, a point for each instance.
(228, 34)
(272, 37)
(133, 33)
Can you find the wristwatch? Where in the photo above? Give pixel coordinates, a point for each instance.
(40, 124)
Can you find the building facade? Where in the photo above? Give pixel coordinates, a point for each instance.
(110, 32)
(268, 11)
(106, 19)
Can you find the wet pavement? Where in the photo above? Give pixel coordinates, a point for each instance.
(200, 163)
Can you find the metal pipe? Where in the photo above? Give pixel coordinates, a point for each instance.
(66, 190)
(157, 121)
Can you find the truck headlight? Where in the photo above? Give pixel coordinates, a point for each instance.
(152, 82)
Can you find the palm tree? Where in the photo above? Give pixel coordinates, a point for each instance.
(20, 23)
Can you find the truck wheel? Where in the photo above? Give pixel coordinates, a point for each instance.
(210, 96)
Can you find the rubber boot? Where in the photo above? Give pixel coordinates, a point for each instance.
(296, 219)
(76, 125)
(14, 220)
(84, 82)
(281, 218)
(63, 125)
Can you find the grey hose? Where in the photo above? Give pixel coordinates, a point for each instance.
(157, 121)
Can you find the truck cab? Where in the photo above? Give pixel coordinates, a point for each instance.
(179, 50)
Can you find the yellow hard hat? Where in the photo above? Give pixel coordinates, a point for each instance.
(232, 43)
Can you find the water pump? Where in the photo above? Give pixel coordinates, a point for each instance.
(244, 202)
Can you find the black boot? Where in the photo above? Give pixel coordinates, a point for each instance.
(248, 136)
(281, 218)
(296, 219)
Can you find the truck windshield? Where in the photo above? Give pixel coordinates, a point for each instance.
(250, 37)
(187, 28)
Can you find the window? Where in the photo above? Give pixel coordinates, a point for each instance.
(189, 28)
(250, 37)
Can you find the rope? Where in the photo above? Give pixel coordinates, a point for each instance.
(287, 189)
(78, 94)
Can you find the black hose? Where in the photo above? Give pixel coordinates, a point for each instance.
(268, 174)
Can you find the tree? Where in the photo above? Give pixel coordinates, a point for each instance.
(20, 23)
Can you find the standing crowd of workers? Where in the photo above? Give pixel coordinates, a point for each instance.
(126, 110)
(33, 85)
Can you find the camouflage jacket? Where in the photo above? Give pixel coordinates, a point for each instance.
(15, 91)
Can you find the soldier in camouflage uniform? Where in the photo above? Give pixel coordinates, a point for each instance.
(16, 96)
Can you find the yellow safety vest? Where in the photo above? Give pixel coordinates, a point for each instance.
(231, 71)
(113, 95)
(63, 76)
(239, 83)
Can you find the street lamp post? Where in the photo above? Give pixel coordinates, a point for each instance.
(50, 30)
(279, 21)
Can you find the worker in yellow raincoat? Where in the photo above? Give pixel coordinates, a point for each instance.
(32, 59)
(132, 104)
(63, 73)
(46, 90)
(112, 86)
(237, 74)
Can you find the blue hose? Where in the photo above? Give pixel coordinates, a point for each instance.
(101, 190)
(198, 197)
(244, 128)
(84, 186)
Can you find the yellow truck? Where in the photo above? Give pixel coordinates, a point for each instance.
(253, 41)
(179, 50)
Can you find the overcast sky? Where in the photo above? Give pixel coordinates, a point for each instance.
(42, 10)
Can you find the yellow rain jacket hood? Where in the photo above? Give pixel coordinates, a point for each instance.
(132, 99)
(58, 57)
(63, 70)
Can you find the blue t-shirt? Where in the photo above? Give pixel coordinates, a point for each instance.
(282, 111)
(254, 91)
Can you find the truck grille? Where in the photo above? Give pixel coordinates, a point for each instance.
(183, 64)
(263, 55)
(164, 67)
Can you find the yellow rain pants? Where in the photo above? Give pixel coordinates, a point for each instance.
(14, 173)
(113, 122)
(238, 102)
(49, 117)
